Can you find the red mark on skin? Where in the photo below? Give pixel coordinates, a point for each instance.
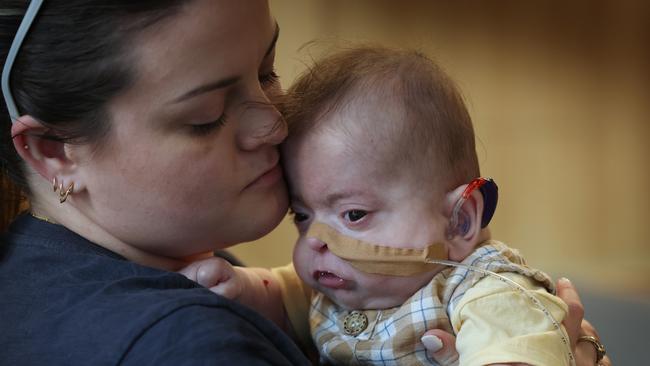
(266, 282)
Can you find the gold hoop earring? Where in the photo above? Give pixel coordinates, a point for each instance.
(54, 187)
(64, 195)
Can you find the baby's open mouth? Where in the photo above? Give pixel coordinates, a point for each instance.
(329, 279)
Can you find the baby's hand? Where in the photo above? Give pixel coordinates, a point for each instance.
(218, 275)
(252, 287)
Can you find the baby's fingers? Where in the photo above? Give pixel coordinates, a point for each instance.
(231, 289)
(209, 272)
(213, 271)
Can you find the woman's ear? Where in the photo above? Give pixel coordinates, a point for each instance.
(464, 236)
(46, 156)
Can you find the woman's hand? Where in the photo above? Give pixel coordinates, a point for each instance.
(442, 345)
(576, 326)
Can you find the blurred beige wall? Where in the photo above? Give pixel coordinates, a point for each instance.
(559, 93)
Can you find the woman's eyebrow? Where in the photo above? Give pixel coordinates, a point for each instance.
(219, 84)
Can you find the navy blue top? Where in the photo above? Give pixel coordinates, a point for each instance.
(67, 301)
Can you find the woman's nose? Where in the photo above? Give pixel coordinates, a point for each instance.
(316, 245)
(261, 124)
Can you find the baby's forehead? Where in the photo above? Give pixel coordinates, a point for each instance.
(363, 114)
(368, 126)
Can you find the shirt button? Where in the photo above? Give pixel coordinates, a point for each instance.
(355, 323)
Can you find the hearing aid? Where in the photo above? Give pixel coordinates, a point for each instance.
(459, 222)
(463, 224)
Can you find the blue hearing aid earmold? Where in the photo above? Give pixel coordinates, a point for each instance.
(490, 192)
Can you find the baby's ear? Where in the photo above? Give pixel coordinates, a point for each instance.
(464, 236)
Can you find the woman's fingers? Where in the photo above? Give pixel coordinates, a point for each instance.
(586, 355)
(576, 326)
(567, 292)
(441, 346)
(585, 351)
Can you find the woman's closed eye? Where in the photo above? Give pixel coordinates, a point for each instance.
(268, 79)
(205, 128)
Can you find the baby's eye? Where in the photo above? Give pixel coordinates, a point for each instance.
(298, 217)
(354, 215)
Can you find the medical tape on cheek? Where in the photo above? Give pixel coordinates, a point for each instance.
(378, 259)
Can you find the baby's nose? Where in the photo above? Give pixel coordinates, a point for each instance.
(317, 245)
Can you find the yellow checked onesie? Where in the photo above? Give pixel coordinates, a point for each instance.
(493, 321)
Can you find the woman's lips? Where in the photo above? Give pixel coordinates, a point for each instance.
(269, 177)
(329, 280)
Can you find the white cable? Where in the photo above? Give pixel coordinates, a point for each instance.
(522, 289)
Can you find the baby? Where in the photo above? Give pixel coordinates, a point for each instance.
(385, 187)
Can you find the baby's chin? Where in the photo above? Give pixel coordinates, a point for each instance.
(390, 295)
(356, 301)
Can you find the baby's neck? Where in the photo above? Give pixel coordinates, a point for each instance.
(484, 235)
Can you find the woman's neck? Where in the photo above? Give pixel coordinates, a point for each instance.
(85, 227)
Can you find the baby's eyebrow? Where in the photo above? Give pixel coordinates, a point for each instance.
(294, 198)
(332, 198)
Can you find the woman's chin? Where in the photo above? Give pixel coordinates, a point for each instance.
(262, 228)
(252, 227)
(274, 212)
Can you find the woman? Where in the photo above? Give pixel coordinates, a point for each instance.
(144, 135)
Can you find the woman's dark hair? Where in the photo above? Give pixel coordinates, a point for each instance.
(75, 58)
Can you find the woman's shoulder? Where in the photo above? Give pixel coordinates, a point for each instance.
(216, 333)
(140, 320)
(69, 305)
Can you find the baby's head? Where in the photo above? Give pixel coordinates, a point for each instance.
(380, 147)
